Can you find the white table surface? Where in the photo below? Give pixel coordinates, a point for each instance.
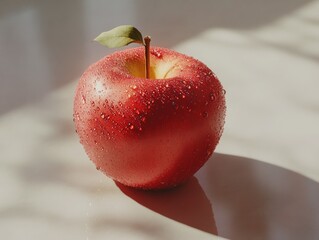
(263, 182)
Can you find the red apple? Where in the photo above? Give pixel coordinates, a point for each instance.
(149, 133)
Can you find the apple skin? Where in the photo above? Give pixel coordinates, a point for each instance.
(149, 133)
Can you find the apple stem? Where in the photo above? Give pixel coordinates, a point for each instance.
(147, 41)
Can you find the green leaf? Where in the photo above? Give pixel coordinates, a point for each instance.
(120, 36)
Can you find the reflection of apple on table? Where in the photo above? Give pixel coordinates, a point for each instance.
(148, 119)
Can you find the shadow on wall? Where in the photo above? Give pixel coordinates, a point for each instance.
(41, 48)
(170, 23)
(241, 198)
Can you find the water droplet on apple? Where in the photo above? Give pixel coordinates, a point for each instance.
(134, 87)
(83, 99)
(205, 114)
(183, 96)
(189, 87)
(143, 119)
(223, 92)
(157, 53)
(102, 115)
(212, 96)
(95, 141)
(166, 85)
(95, 119)
(77, 116)
(132, 127)
(92, 103)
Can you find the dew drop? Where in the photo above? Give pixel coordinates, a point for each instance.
(157, 54)
(143, 119)
(132, 127)
(166, 85)
(77, 115)
(223, 92)
(102, 115)
(134, 87)
(95, 141)
(92, 103)
(183, 96)
(189, 87)
(83, 99)
(212, 96)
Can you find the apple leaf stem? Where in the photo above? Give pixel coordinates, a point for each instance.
(124, 35)
(147, 41)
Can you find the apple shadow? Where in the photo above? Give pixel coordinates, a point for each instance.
(241, 197)
(186, 204)
(256, 200)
